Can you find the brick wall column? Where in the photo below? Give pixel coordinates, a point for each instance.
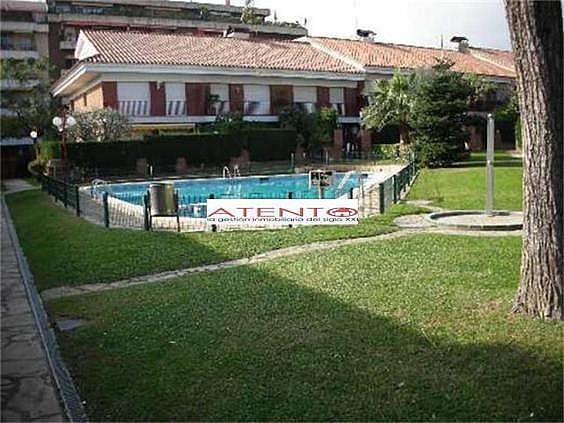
(236, 98)
(109, 94)
(365, 140)
(338, 141)
(323, 97)
(351, 102)
(197, 99)
(158, 101)
(280, 97)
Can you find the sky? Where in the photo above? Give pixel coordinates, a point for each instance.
(417, 22)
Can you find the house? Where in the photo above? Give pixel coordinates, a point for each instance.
(159, 80)
(170, 79)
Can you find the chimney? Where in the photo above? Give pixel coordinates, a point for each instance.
(239, 33)
(228, 2)
(366, 35)
(463, 44)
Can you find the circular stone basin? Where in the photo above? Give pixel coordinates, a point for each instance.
(477, 220)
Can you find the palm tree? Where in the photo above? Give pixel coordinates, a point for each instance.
(389, 103)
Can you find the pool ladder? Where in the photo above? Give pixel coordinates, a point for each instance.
(96, 184)
(228, 174)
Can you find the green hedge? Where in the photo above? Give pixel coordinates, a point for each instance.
(11, 126)
(163, 150)
(271, 144)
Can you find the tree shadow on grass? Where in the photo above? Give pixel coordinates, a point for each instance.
(246, 344)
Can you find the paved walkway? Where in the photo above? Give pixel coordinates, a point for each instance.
(16, 185)
(28, 389)
(418, 226)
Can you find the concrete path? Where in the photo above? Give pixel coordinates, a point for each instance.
(419, 226)
(16, 185)
(28, 388)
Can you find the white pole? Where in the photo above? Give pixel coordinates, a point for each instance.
(489, 165)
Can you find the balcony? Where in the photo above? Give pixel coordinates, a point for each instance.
(19, 54)
(339, 108)
(67, 44)
(21, 27)
(256, 108)
(219, 108)
(176, 108)
(8, 43)
(307, 107)
(12, 84)
(134, 107)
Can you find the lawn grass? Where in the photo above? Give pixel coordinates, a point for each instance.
(63, 249)
(415, 328)
(463, 186)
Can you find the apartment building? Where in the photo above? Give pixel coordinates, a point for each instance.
(23, 36)
(67, 17)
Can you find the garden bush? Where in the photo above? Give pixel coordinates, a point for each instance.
(271, 144)
(163, 150)
(392, 151)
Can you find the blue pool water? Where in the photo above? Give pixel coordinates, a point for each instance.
(197, 191)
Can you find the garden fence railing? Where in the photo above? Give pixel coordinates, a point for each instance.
(99, 205)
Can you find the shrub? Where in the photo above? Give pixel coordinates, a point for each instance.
(441, 98)
(164, 150)
(102, 125)
(392, 151)
(10, 126)
(271, 144)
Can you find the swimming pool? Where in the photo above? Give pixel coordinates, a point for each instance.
(193, 192)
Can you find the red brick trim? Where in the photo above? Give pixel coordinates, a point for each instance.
(158, 100)
(197, 95)
(323, 97)
(109, 94)
(236, 98)
(280, 97)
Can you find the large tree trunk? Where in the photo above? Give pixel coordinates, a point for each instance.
(536, 35)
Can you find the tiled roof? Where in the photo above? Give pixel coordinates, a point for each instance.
(409, 57)
(177, 49)
(502, 58)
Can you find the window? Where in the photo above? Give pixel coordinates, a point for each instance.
(257, 99)
(175, 96)
(337, 100)
(133, 98)
(306, 98)
(221, 92)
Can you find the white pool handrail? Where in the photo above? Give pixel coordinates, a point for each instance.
(97, 183)
(344, 181)
(226, 172)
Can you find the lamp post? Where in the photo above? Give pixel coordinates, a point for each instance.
(33, 136)
(63, 123)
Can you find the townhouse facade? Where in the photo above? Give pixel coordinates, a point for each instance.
(195, 78)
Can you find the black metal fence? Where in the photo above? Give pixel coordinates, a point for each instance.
(131, 210)
(392, 189)
(66, 193)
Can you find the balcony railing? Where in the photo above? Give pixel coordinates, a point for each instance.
(308, 107)
(22, 45)
(176, 108)
(219, 108)
(339, 108)
(256, 108)
(134, 107)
